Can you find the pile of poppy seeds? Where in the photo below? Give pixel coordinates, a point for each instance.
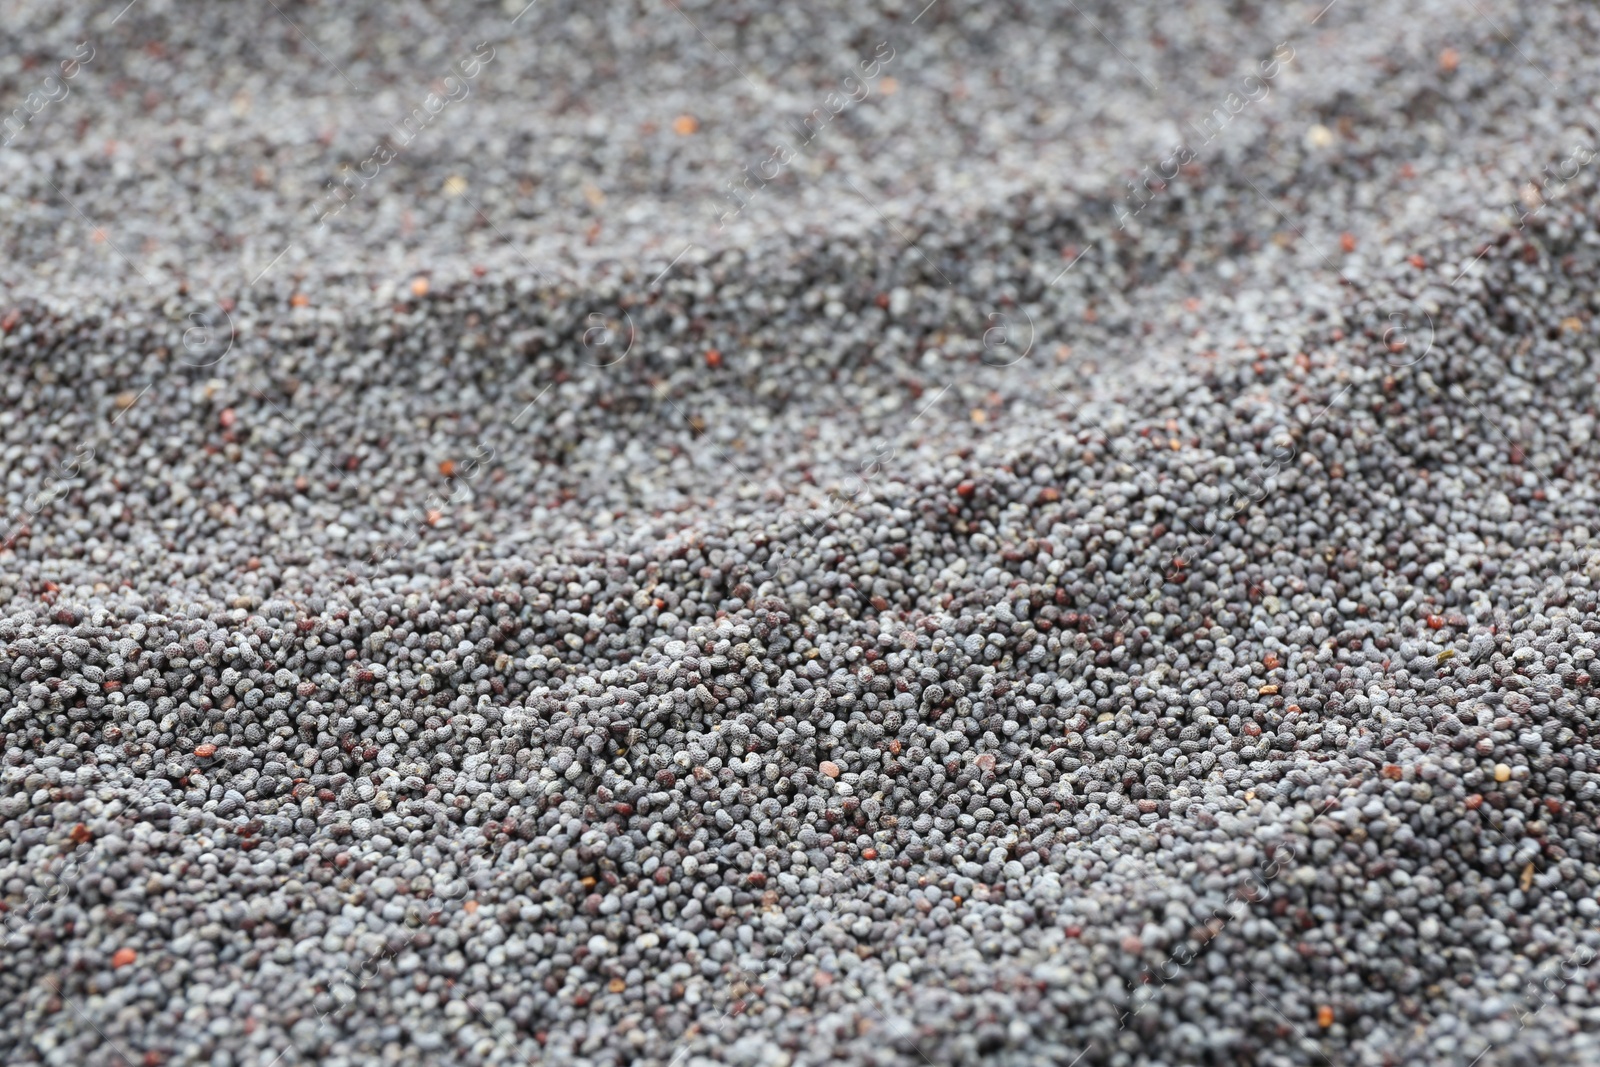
(759, 534)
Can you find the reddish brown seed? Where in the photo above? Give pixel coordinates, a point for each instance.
(966, 489)
(1270, 661)
(1435, 622)
(299, 300)
(1474, 802)
(1347, 241)
(986, 762)
(830, 768)
(80, 834)
(713, 358)
(1325, 1016)
(1449, 60)
(124, 957)
(869, 853)
(205, 751)
(1392, 771)
(227, 417)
